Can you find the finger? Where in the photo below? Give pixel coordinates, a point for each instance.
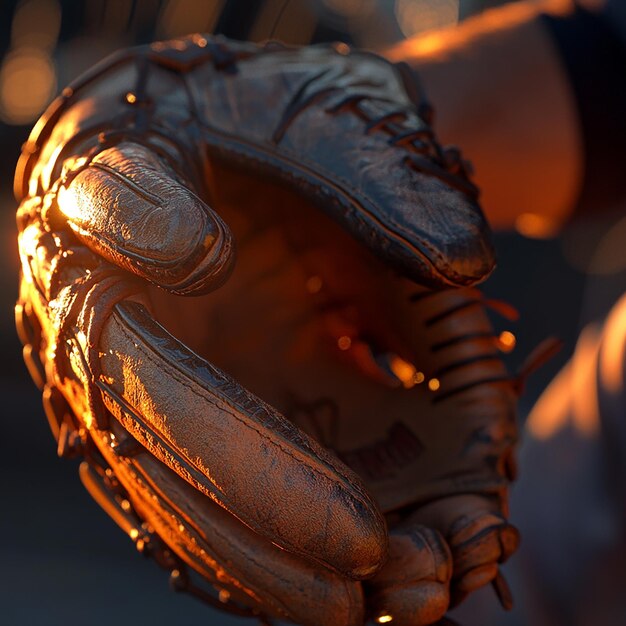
(459, 402)
(480, 539)
(220, 438)
(346, 135)
(412, 588)
(128, 205)
(233, 447)
(479, 544)
(240, 563)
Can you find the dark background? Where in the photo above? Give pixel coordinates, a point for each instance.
(63, 560)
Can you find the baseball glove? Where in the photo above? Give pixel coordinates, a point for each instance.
(373, 484)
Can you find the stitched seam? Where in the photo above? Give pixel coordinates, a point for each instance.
(332, 177)
(277, 444)
(176, 512)
(357, 193)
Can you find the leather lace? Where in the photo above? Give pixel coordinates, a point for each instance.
(425, 154)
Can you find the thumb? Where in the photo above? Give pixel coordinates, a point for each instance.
(129, 206)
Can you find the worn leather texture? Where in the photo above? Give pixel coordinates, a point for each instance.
(318, 435)
(339, 127)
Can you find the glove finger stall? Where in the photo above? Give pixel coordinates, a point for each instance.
(413, 586)
(127, 206)
(234, 448)
(340, 129)
(229, 554)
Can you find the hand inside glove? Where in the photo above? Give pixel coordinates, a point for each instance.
(385, 451)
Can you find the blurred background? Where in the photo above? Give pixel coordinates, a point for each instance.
(64, 561)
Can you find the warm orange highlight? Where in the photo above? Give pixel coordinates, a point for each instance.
(571, 398)
(451, 38)
(536, 226)
(506, 341)
(612, 357)
(27, 82)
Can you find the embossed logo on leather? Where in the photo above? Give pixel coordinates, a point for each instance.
(380, 460)
(386, 457)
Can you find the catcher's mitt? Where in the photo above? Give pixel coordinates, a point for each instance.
(321, 317)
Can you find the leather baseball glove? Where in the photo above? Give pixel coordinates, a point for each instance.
(326, 438)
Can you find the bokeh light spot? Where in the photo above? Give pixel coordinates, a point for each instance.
(36, 24)
(506, 341)
(535, 226)
(404, 371)
(420, 16)
(27, 83)
(314, 284)
(419, 378)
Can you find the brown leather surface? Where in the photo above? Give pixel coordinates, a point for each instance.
(413, 586)
(278, 111)
(204, 425)
(230, 554)
(128, 205)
